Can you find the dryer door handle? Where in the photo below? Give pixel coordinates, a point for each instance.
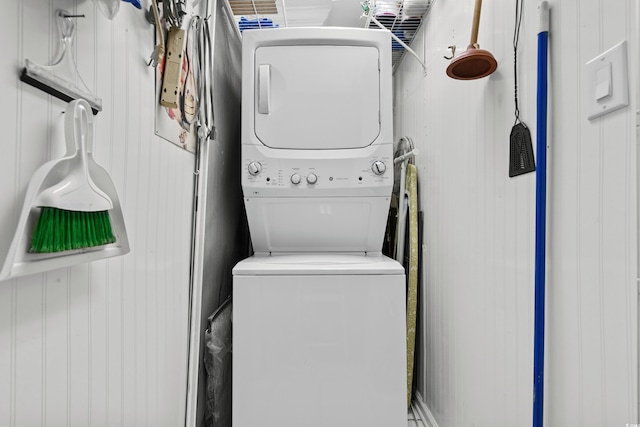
(264, 89)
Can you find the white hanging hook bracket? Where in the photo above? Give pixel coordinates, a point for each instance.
(403, 44)
(406, 156)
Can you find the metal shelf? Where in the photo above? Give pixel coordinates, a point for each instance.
(402, 18)
(280, 13)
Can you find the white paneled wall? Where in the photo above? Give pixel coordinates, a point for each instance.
(101, 344)
(476, 352)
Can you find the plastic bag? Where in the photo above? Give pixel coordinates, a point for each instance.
(217, 362)
(109, 8)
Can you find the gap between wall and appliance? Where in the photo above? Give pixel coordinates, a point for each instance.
(421, 413)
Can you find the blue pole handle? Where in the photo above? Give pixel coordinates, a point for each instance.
(541, 207)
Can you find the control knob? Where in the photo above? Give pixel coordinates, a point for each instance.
(295, 179)
(378, 167)
(312, 178)
(255, 168)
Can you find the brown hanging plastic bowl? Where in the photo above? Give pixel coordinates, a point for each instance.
(474, 63)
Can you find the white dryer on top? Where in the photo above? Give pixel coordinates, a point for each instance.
(317, 137)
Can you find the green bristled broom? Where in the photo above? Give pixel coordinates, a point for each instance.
(74, 211)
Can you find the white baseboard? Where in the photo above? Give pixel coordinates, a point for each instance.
(423, 412)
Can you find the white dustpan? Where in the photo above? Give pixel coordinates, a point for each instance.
(77, 191)
(45, 189)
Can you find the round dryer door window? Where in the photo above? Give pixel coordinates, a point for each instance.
(317, 96)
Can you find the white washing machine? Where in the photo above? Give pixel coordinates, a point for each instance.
(319, 341)
(318, 312)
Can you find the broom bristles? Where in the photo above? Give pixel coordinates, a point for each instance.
(59, 230)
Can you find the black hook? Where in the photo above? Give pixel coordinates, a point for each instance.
(453, 52)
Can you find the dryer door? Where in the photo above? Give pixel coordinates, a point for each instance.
(316, 96)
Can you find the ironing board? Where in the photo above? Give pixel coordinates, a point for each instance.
(412, 275)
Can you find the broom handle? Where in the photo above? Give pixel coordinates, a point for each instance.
(476, 24)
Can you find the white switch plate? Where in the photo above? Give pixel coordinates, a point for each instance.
(607, 82)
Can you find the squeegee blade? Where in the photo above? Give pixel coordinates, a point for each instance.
(43, 79)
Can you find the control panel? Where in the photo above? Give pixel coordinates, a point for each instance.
(261, 174)
(268, 172)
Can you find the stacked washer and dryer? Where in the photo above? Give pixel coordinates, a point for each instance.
(319, 323)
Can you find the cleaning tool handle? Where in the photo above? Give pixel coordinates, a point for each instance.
(541, 207)
(476, 24)
(78, 124)
(64, 57)
(543, 17)
(78, 127)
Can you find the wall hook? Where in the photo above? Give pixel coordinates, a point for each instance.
(453, 52)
